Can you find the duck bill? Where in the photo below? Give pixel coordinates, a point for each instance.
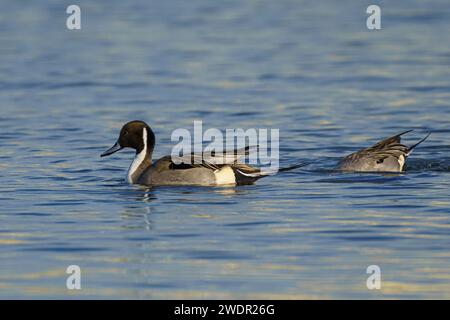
(116, 147)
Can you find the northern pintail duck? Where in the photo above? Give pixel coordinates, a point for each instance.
(388, 155)
(212, 171)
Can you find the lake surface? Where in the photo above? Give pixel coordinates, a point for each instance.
(311, 69)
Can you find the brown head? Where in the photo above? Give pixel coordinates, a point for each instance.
(136, 135)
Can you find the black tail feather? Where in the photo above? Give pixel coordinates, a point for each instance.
(415, 145)
(296, 166)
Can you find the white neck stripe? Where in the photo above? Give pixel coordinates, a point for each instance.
(140, 157)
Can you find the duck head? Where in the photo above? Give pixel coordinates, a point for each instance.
(136, 135)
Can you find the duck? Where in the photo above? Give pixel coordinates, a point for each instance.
(192, 169)
(388, 155)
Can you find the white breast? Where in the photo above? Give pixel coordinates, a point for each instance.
(140, 157)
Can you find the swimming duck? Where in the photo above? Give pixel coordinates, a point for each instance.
(388, 155)
(211, 170)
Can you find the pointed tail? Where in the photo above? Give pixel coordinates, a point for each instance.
(296, 166)
(415, 145)
(261, 174)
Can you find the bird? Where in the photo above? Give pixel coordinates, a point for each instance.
(388, 155)
(200, 169)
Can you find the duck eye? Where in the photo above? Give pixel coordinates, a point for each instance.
(125, 133)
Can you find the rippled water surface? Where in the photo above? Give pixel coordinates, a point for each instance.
(310, 68)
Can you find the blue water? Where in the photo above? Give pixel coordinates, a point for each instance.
(309, 68)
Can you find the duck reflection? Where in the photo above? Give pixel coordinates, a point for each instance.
(136, 214)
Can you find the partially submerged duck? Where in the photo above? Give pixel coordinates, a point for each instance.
(388, 155)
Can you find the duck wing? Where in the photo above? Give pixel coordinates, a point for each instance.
(211, 160)
(391, 146)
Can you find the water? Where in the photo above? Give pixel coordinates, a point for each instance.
(311, 69)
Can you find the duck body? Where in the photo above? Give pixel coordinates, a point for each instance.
(192, 169)
(388, 155)
(162, 173)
